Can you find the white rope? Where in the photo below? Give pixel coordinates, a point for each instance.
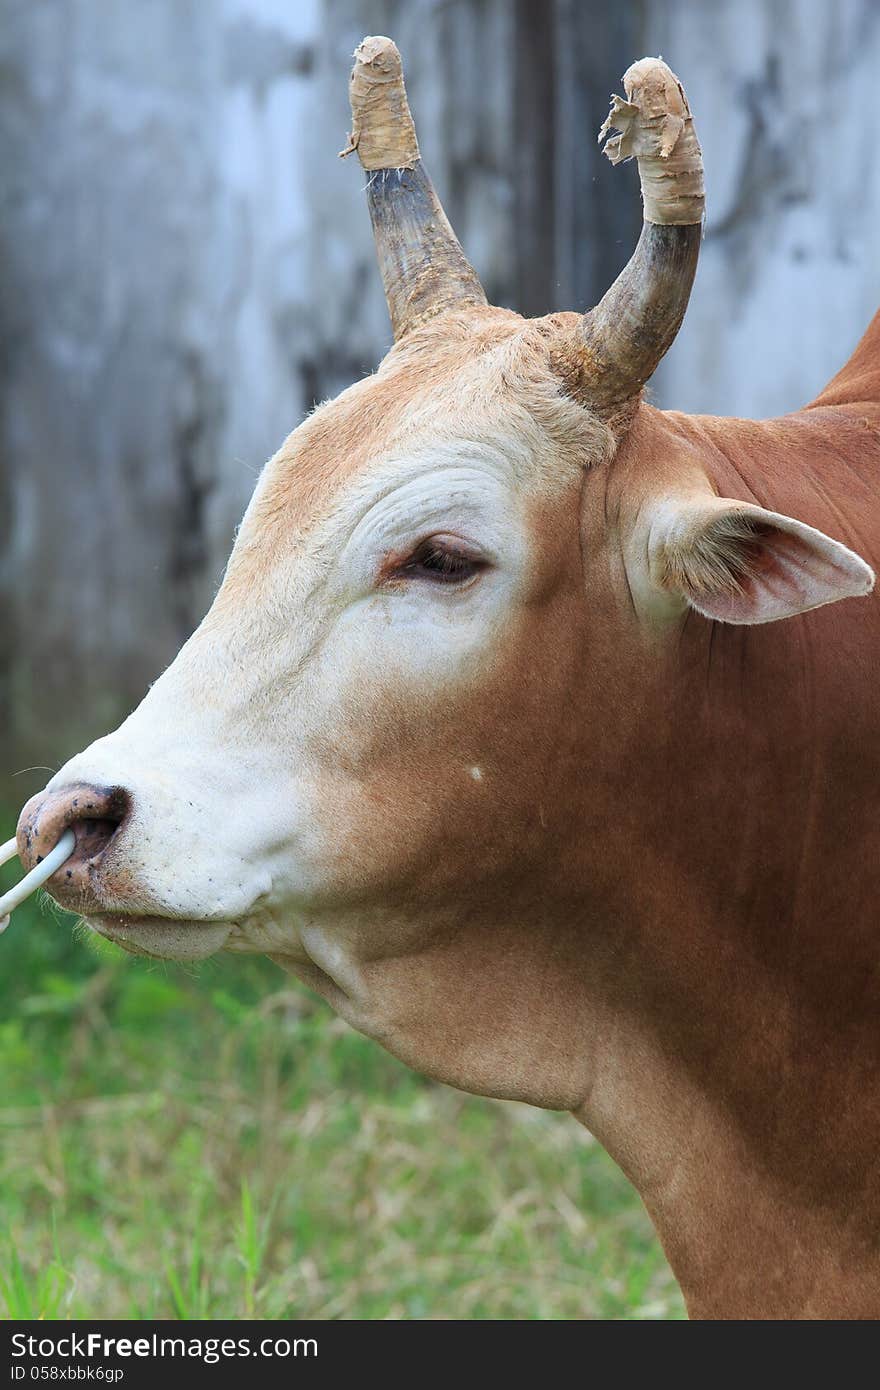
(37, 876)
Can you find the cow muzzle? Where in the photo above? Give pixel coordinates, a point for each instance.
(94, 815)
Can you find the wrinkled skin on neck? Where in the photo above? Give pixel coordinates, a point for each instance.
(537, 839)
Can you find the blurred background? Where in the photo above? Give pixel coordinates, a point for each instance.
(186, 268)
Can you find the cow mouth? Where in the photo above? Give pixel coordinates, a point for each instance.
(161, 938)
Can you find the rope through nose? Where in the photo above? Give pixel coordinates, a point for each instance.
(37, 876)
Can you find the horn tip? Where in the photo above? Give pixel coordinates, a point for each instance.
(382, 129)
(653, 86)
(381, 53)
(655, 126)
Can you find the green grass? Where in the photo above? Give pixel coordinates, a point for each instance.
(215, 1144)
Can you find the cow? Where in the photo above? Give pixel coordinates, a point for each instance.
(495, 737)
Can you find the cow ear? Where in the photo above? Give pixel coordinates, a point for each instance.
(738, 563)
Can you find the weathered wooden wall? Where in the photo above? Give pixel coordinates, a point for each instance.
(186, 266)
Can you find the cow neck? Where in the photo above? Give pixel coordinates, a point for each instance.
(740, 1085)
(750, 1223)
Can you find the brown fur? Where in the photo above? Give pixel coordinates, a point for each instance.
(743, 1093)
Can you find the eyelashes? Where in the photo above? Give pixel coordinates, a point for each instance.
(439, 560)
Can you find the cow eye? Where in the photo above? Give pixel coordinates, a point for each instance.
(441, 560)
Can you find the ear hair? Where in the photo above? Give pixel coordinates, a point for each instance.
(737, 563)
(721, 558)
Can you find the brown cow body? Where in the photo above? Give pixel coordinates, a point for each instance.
(750, 1071)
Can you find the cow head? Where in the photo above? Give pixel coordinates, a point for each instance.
(402, 754)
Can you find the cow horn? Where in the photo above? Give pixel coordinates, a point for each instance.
(625, 336)
(424, 269)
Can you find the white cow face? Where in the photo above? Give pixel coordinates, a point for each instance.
(366, 683)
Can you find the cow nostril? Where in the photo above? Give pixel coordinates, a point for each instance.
(93, 835)
(93, 813)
